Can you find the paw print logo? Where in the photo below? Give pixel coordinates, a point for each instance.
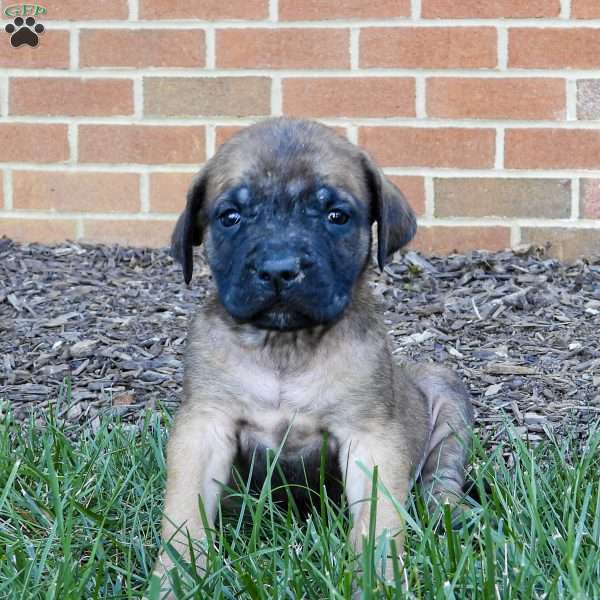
(24, 32)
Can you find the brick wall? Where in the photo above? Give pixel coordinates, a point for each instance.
(485, 112)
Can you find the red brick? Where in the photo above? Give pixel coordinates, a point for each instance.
(486, 98)
(25, 142)
(168, 191)
(589, 206)
(76, 191)
(1, 190)
(224, 132)
(44, 231)
(500, 197)
(141, 48)
(490, 9)
(207, 96)
(51, 52)
(564, 243)
(588, 99)
(146, 233)
(321, 10)
(206, 10)
(585, 9)
(144, 144)
(553, 48)
(414, 190)
(283, 48)
(349, 97)
(430, 147)
(441, 240)
(552, 149)
(428, 47)
(71, 97)
(75, 10)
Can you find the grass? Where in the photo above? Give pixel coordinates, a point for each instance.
(79, 519)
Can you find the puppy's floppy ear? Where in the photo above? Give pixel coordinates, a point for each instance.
(396, 222)
(188, 231)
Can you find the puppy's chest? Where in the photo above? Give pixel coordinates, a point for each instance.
(285, 372)
(298, 434)
(301, 401)
(307, 380)
(315, 390)
(297, 408)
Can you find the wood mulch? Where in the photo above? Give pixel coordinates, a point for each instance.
(94, 329)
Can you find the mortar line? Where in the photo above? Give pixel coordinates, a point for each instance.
(571, 97)
(429, 197)
(504, 222)
(210, 48)
(354, 48)
(446, 173)
(145, 192)
(420, 97)
(211, 140)
(502, 47)
(515, 235)
(276, 97)
(134, 10)
(565, 9)
(499, 159)
(74, 49)
(7, 184)
(391, 122)
(274, 10)
(72, 136)
(456, 173)
(138, 97)
(125, 72)
(65, 167)
(415, 9)
(79, 229)
(575, 198)
(352, 134)
(4, 96)
(24, 215)
(398, 22)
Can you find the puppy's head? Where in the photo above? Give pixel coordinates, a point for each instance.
(285, 211)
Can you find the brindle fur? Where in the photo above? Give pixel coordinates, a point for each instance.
(245, 388)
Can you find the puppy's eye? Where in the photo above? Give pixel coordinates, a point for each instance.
(337, 217)
(230, 218)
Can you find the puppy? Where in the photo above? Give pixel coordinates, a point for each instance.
(291, 343)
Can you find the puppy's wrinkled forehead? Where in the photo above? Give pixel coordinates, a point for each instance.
(287, 159)
(276, 161)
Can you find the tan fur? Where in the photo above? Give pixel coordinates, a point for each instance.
(244, 384)
(240, 380)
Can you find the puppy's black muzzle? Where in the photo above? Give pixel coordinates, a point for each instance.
(280, 272)
(281, 289)
(282, 280)
(283, 271)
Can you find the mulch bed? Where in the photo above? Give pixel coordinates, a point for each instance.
(92, 329)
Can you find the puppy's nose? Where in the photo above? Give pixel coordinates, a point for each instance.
(280, 271)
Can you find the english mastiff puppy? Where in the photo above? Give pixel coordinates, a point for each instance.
(291, 343)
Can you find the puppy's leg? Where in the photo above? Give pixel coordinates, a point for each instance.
(443, 470)
(393, 465)
(200, 455)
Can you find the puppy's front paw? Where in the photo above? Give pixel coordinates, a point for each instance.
(166, 570)
(381, 570)
(159, 587)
